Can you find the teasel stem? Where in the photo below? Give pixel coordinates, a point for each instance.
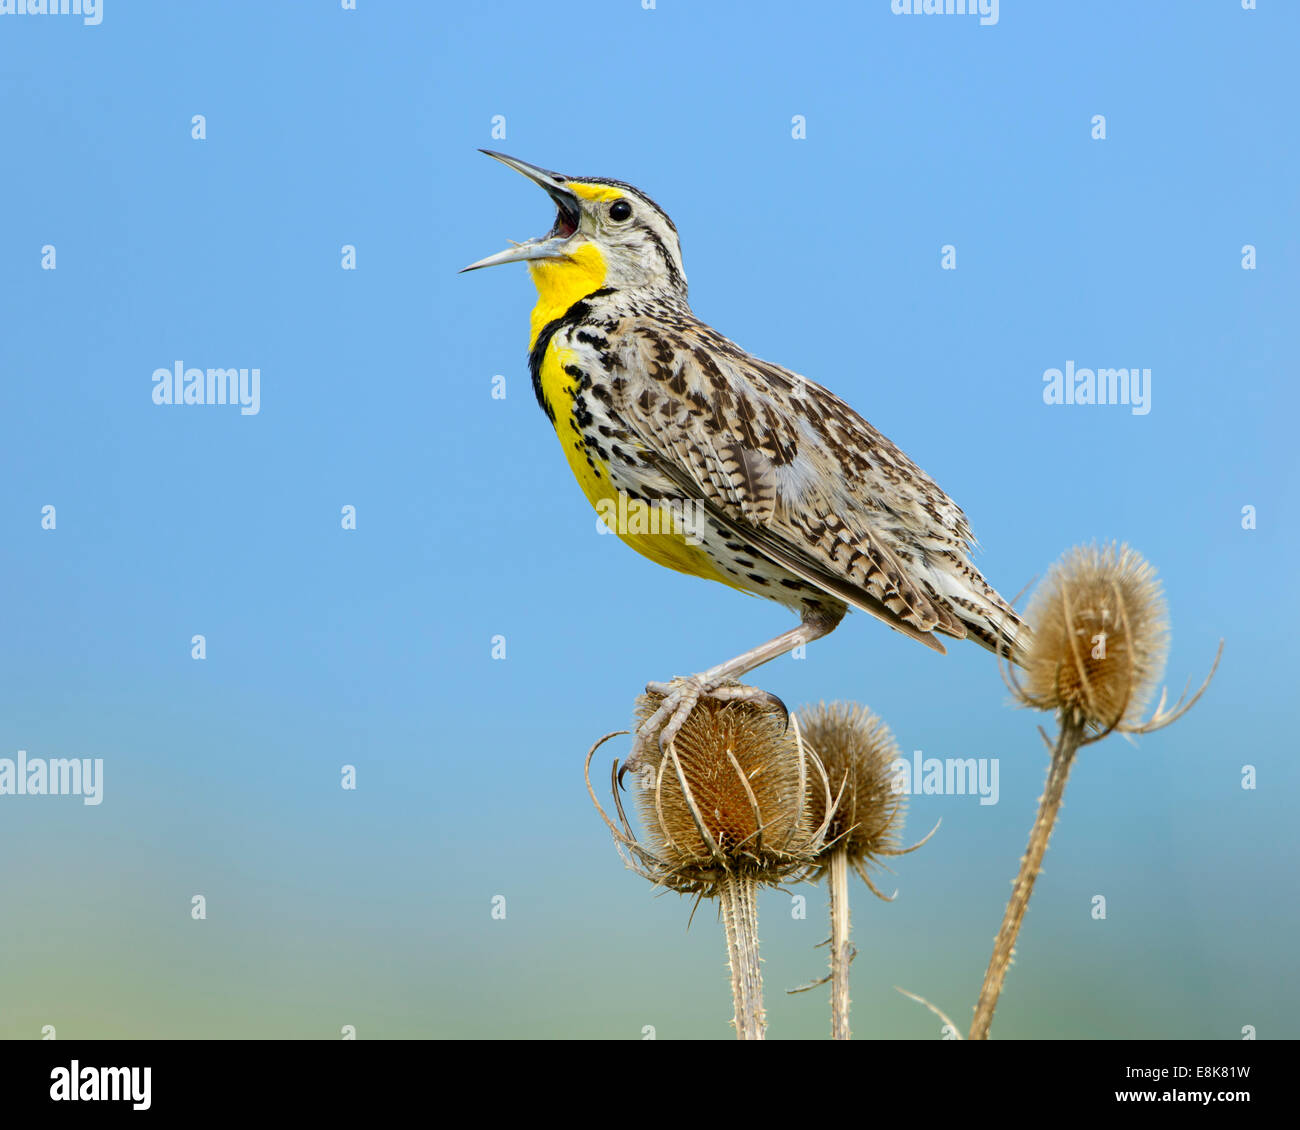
(738, 901)
(1068, 741)
(841, 950)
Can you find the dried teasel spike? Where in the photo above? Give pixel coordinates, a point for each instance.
(1099, 638)
(862, 825)
(733, 786)
(1098, 642)
(857, 752)
(1160, 718)
(727, 808)
(948, 1025)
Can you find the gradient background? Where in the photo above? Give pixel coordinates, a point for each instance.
(373, 647)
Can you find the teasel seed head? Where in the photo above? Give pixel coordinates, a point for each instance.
(858, 752)
(737, 793)
(1099, 641)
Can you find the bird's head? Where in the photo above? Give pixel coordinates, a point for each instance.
(606, 234)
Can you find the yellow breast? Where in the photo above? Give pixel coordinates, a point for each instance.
(560, 283)
(650, 534)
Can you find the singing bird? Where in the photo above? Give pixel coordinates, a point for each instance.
(803, 501)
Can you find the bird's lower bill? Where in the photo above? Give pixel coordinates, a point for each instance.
(558, 243)
(547, 247)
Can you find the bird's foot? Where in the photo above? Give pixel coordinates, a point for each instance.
(679, 697)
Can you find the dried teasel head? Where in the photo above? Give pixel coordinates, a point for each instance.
(858, 752)
(1100, 637)
(737, 793)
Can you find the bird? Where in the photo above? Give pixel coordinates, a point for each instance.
(798, 498)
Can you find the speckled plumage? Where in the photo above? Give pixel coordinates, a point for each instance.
(804, 502)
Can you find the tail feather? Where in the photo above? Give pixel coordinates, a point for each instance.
(1007, 636)
(988, 619)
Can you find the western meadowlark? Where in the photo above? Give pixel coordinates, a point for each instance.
(803, 501)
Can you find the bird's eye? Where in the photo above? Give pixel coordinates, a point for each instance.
(620, 210)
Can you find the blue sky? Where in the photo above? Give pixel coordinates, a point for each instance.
(372, 647)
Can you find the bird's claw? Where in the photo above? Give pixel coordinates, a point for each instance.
(756, 696)
(679, 697)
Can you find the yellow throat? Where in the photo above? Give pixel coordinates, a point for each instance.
(561, 282)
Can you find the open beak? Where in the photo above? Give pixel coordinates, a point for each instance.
(568, 213)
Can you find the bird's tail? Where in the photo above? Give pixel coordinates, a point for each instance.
(989, 620)
(1000, 631)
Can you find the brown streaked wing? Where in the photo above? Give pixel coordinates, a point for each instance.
(715, 432)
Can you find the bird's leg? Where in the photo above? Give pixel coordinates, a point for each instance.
(681, 694)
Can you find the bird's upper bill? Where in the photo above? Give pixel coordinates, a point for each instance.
(555, 244)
